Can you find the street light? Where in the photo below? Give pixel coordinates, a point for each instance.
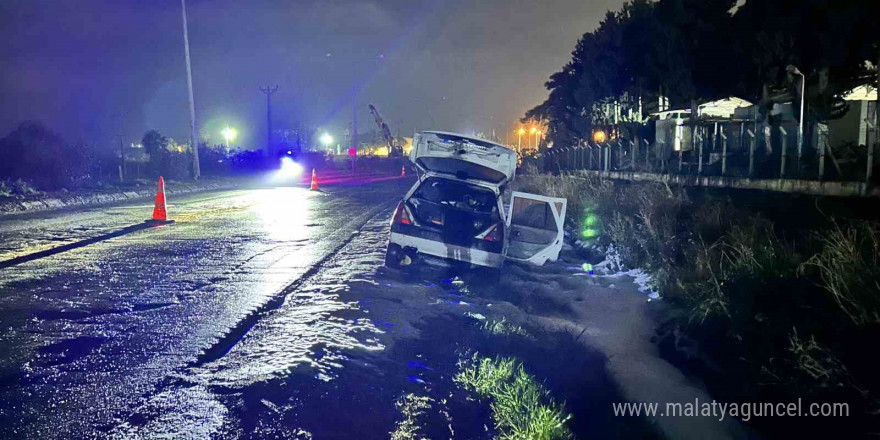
(520, 132)
(326, 139)
(229, 134)
(794, 71)
(531, 131)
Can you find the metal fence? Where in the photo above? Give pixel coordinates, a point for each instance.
(725, 148)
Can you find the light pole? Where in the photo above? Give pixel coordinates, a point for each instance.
(520, 132)
(532, 130)
(800, 139)
(192, 106)
(538, 134)
(229, 134)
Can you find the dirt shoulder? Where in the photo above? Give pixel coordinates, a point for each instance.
(613, 314)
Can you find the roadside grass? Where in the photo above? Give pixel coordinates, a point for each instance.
(412, 409)
(786, 313)
(18, 187)
(521, 407)
(849, 268)
(558, 365)
(503, 327)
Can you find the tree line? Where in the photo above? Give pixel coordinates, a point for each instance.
(692, 51)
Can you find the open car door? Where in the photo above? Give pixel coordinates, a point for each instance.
(534, 225)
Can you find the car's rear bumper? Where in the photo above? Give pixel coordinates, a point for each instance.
(449, 251)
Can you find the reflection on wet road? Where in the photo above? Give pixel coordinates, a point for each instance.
(260, 314)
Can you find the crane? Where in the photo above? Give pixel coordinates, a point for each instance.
(393, 149)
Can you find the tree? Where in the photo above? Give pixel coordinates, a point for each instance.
(155, 144)
(829, 41)
(700, 50)
(35, 153)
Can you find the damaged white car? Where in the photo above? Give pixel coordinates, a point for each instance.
(455, 212)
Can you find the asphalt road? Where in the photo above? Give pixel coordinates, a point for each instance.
(262, 313)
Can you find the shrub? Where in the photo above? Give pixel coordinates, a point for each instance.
(849, 267)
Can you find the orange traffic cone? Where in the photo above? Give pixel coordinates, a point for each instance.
(403, 171)
(314, 185)
(160, 215)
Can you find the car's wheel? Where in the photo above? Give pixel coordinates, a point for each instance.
(393, 256)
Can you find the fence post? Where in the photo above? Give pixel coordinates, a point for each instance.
(871, 142)
(583, 160)
(751, 152)
(823, 142)
(632, 148)
(699, 134)
(680, 159)
(608, 157)
(782, 152)
(723, 150)
(604, 152)
(620, 153)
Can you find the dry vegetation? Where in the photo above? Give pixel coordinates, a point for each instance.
(788, 315)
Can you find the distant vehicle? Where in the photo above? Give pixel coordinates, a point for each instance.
(289, 166)
(455, 211)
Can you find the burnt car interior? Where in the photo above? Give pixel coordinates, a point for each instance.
(459, 210)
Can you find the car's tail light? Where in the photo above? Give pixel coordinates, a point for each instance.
(492, 234)
(402, 215)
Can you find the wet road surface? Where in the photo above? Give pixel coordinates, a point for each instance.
(261, 313)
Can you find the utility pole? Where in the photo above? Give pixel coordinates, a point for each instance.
(354, 119)
(121, 159)
(197, 172)
(269, 91)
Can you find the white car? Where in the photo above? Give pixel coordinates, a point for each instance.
(455, 211)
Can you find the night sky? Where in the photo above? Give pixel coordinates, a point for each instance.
(98, 70)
